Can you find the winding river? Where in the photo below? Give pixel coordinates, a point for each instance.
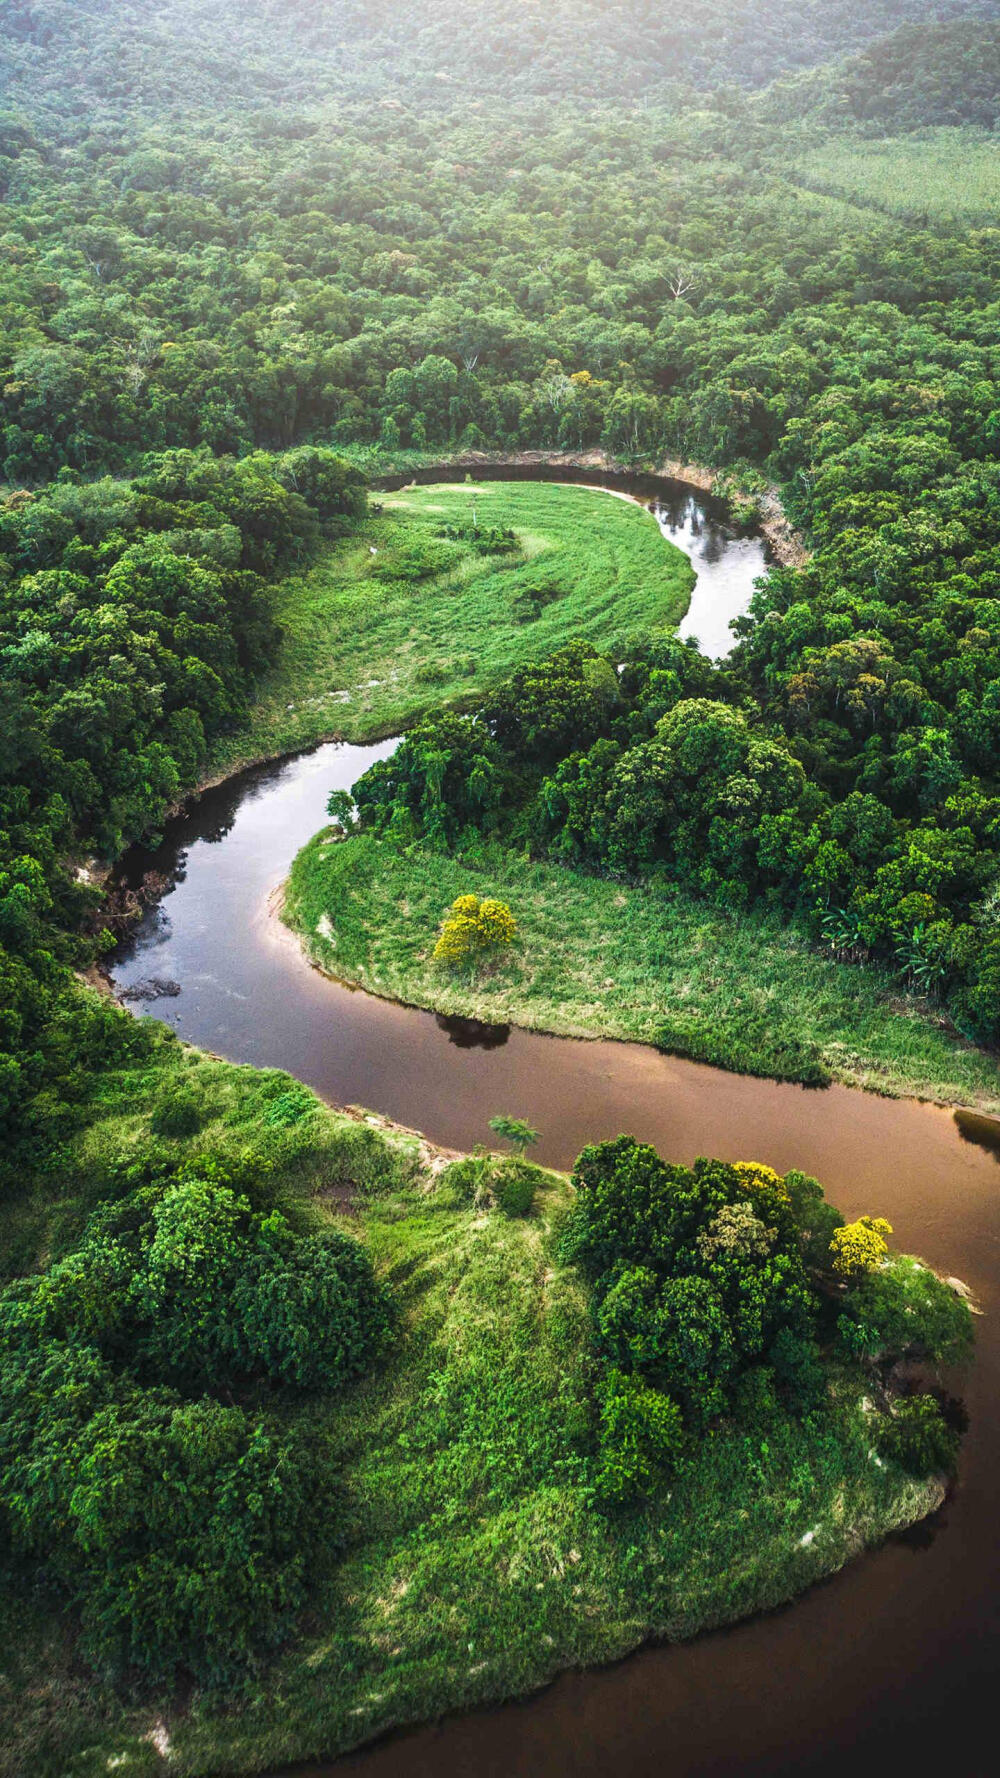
(893, 1663)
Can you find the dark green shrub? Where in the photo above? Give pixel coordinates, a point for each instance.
(798, 1367)
(641, 1438)
(515, 1191)
(483, 1179)
(700, 1353)
(469, 1180)
(697, 1272)
(815, 1219)
(917, 1437)
(178, 1114)
(906, 1310)
(630, 1327)
(486, 540)
(418, 559)
(632, 1208)
(192, 1286)
(194, 1526)
(289, 1108)
(184, 1531)
(222, 1292)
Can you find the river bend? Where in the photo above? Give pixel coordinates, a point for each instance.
(890, 1665)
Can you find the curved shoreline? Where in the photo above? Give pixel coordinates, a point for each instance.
(924, 1500)
(442, 1004)
(479, 1695)
(788, 546)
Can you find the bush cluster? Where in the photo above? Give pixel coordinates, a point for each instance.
(662, 766)
(719, 1283)
(183, 1525)
(134, 618)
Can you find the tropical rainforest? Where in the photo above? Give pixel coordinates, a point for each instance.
(254, 258)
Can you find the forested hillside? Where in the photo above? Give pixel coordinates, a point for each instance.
(147, 54)
(923, 75)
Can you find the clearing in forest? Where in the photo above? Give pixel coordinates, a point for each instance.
(446, 589)
(944, 175)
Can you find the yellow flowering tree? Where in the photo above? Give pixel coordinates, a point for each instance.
(473, 929)
(860, 1246)
(761, 1178)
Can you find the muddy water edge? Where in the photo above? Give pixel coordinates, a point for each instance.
(891, 1663)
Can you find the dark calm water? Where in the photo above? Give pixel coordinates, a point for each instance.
(892, 1665)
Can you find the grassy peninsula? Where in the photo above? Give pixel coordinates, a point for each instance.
(596, 958)
(461, 1556)
(445, 590)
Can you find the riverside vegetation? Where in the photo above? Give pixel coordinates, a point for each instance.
(228, 284)
(599, 958)
(646, 771)
(516, 1425)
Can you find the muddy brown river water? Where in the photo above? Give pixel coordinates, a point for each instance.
(894, 1664)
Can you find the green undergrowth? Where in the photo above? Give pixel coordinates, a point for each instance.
(477, 1565)
(596, 958)
(372, 641)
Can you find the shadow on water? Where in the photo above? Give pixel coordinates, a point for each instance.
(472, 1034)
(984, 1132)
(921, 1536)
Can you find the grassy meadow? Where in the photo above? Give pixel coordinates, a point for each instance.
(475, 1566)
(942, 175)
(595, 958)
(398, 620)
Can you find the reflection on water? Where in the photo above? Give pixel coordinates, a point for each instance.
(726, 565)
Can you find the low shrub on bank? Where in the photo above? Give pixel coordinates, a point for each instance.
(185, 1531)
(917, 1436)
(745, 1041)
(486, 1180)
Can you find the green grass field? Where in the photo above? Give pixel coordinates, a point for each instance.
(594, 958)
(476, 1567)
(373, 641)
(943, 175)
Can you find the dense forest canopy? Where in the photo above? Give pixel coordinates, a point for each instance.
(921, 76)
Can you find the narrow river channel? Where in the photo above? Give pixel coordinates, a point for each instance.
(893, 1663)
